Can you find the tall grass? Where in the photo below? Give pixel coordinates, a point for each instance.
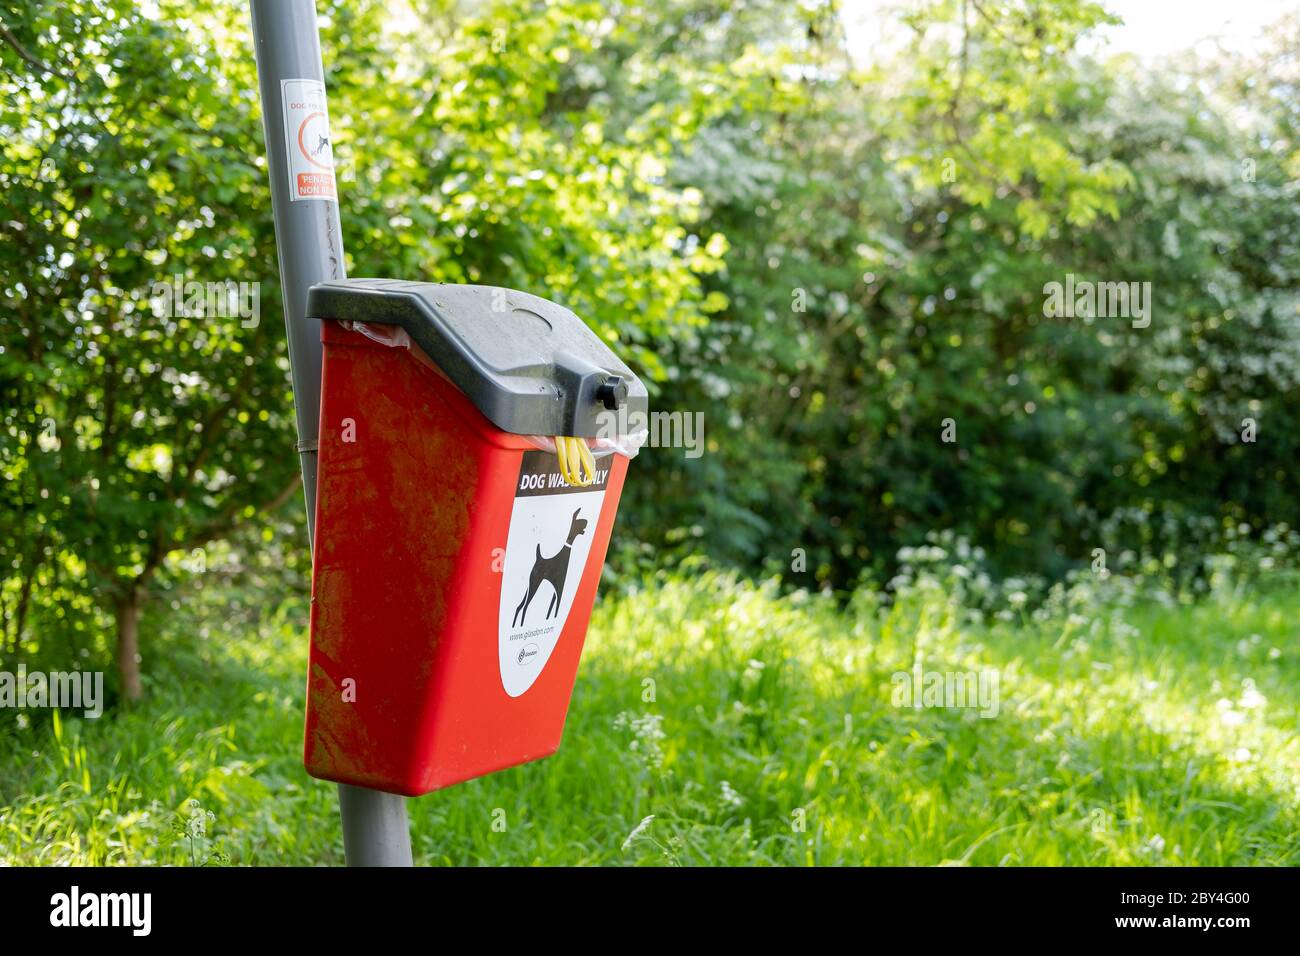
(720, 722)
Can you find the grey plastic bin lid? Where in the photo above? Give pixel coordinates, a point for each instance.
(530, 366)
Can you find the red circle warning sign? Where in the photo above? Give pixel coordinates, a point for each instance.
(314, 141)
(307, 140)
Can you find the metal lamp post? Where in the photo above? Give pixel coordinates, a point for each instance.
(310, 244)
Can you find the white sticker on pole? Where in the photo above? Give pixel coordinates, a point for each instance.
(307, 140)
(552, 526)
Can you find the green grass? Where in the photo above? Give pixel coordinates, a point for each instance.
(1128, 734)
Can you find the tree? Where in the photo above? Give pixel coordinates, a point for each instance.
(123, 182)
(132, 159)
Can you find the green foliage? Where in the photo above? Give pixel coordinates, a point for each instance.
(877, 291)
(161, 429)
(995, 105)
(495, 160)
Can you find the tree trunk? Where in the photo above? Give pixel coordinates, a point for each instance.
(25, 594)
(128, 643)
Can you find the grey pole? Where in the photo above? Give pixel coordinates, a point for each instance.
(310, 244)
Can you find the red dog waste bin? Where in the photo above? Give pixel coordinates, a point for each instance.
(454, 568)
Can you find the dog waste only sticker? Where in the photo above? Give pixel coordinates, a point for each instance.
(551, 529)
(307, 140)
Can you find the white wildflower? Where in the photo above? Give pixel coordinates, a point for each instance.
(637, 830)
(730, 798)
(1251, 698)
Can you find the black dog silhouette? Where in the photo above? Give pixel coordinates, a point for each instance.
(554, 569)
